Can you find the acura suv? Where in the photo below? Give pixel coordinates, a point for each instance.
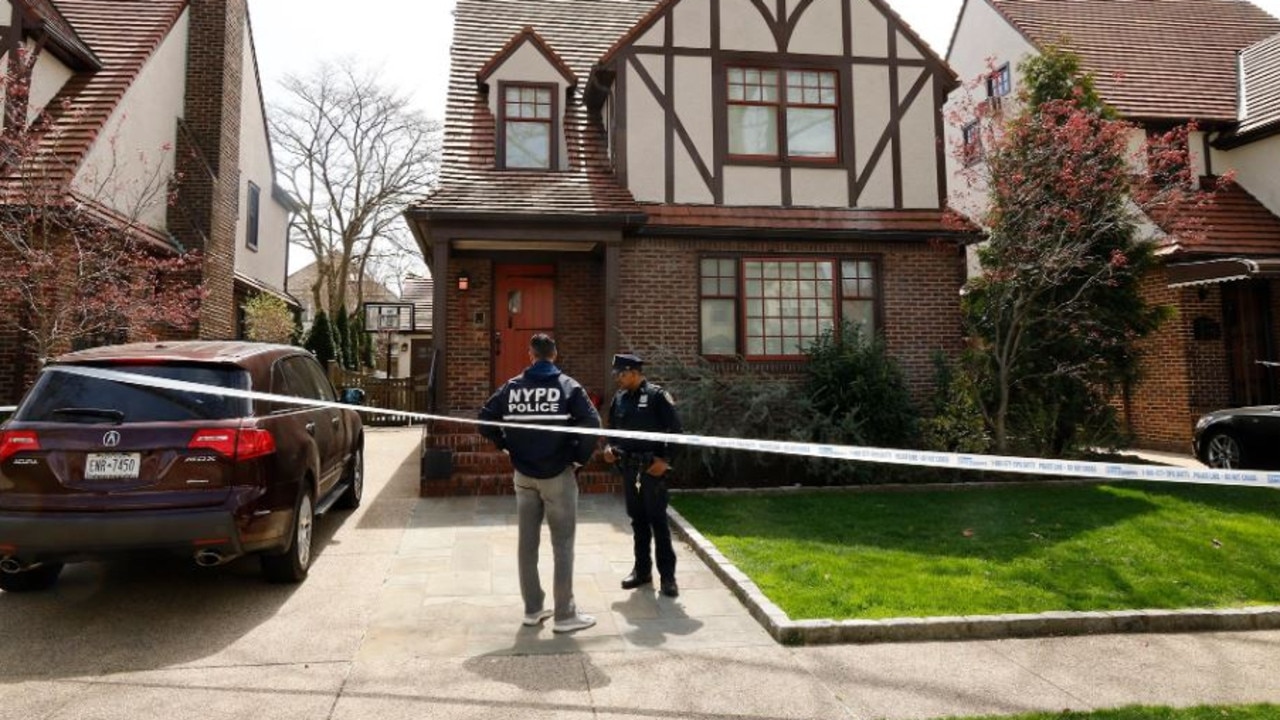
(90, 466)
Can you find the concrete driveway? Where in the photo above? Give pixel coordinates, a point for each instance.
(412, 611)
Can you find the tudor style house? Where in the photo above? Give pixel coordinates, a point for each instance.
(1218, 64)
(707, 178)
(138, 91)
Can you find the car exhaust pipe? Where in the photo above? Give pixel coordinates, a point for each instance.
(12, 565)
(210, 558)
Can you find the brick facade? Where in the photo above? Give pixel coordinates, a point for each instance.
(208, 155)
(1182, 377)
(920, 284)
(659, 308)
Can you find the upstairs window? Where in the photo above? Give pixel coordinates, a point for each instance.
(999, 82)
(972, 149)
(251, 218)
(527, 134)
(783, 114)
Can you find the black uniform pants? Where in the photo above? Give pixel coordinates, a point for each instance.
(647, 508)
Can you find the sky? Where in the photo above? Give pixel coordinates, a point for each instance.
(407, 41)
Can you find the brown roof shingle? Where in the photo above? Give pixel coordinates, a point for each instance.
(579, 32)
(852, 220)
(1152, 59)
(1233, 222)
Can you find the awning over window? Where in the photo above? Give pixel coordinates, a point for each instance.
(1223, 270)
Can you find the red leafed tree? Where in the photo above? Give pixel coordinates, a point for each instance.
(1056, 313)
(78, 271)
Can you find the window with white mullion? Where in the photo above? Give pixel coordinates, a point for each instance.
(528, 127)
(719, 292)
(762, 102)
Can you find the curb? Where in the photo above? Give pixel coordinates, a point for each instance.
(967, 627)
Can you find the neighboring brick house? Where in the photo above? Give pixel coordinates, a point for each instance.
(710, 177)
(138, 89)
(1163, 64)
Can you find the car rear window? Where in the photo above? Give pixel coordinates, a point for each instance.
(63, 397)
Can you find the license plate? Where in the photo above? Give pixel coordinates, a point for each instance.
(112, 466)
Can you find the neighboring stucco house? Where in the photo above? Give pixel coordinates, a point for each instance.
(1163, 64)
(139, 90)
(712, 178)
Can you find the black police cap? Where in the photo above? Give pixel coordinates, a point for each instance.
(627, 362)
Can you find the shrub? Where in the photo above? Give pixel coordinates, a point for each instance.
(733, 400)
(957, 424)
(320, 340)
(268, 319)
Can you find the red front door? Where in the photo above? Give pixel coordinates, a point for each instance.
(524, 304)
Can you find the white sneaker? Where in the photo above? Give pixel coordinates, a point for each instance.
(537, 618)
(577, 622)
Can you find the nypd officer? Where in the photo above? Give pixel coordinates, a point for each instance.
(644, 464)
(546, 481)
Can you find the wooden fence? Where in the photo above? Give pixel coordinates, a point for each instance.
(405, 394)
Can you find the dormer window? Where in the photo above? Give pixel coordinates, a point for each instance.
(527, 135)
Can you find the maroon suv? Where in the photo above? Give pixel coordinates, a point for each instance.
(90, 466)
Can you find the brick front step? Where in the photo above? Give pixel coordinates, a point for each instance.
(480, 469)
(461, 484)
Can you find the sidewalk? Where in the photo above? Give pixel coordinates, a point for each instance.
(445, 641)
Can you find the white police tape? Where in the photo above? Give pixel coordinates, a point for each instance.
(890, 456)
(8, 408)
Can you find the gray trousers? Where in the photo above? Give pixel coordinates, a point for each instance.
(556, 499)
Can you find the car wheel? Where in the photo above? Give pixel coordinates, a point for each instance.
(291, 566)
(33, 580)
(1224, 452)
(354, 478)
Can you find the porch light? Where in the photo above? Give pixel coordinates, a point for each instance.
(464, 281)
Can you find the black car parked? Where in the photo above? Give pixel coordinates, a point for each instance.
(1239, 438)
(90, 466)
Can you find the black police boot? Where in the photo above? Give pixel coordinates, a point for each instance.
(669, 588)
(635, 580)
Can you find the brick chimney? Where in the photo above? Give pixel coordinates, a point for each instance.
(208, 155)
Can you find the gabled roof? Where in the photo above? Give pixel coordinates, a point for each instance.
(1260, 86)
(41, 17)
(1234, 222)
(469, 182)
(1152, 59)
(652, 17)
(527, 35)
(126, 33)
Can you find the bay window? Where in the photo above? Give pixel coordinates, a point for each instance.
(774, 308)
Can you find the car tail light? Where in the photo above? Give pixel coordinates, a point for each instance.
(13, 442)
(221, 441)
(243, 444)
(255, 443)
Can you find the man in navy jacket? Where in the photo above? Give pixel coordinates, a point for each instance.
(545, 464)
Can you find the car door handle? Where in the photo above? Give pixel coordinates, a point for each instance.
(311, 428)
(334, 421)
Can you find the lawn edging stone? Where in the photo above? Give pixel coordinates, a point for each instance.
(971, 627)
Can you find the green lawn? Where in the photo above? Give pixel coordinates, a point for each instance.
(979, 551)
(1217, 712)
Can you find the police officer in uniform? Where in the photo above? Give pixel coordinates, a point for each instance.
(644, 464)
